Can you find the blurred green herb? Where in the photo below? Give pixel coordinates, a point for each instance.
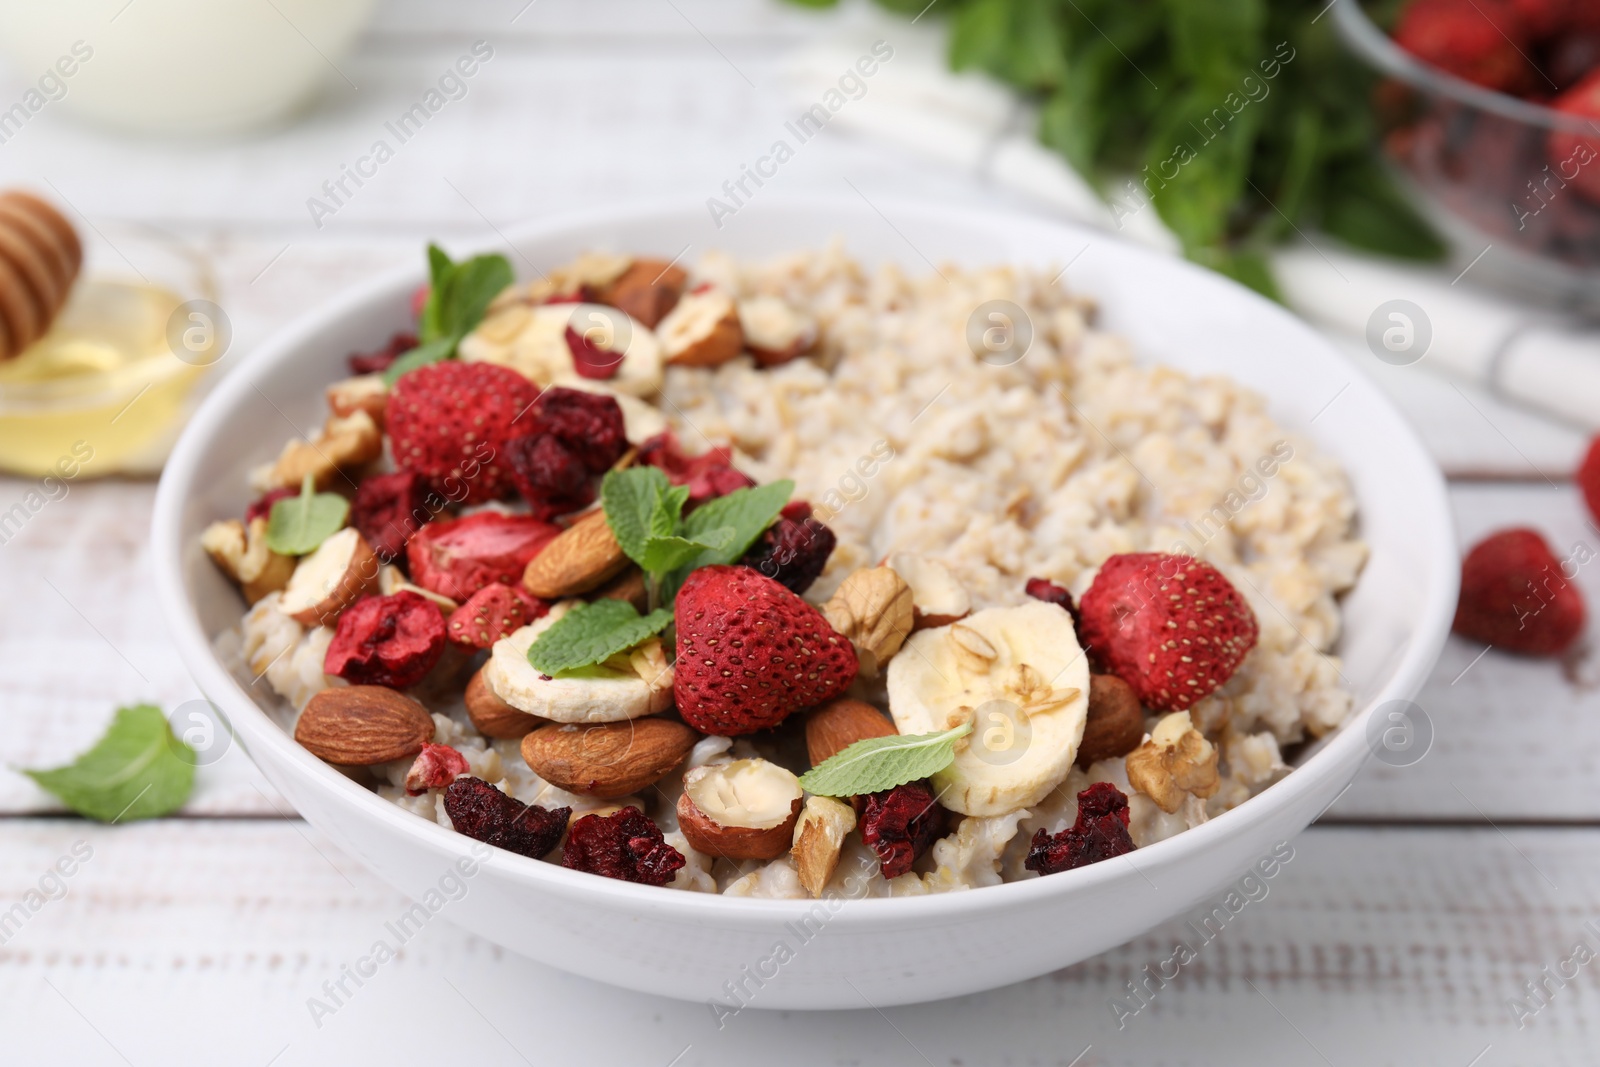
(1240, 122)
(137, 770)
(458, 296)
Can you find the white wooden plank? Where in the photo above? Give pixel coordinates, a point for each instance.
(198, 943)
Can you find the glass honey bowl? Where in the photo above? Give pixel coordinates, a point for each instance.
(107, 388)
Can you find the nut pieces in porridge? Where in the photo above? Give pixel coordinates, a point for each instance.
(544, 602)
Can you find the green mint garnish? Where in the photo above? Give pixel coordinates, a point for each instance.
(880, 763)
(298, 524)
(593, 633)
(645, 512)
(458, 296)
(137, 770)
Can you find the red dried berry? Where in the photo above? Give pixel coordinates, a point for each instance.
(387, 510)
(386, 640)
(588, 423)
(1051, 593)
(625, 845)
(481, 811)
(261, 507)
(378, 360)
(551, 477)
(792, 553)
(456, 558)
(449, 422)
(1482, 41)
(589, 359)
(493, 612)
(435, 767)
(714, 482)
(750, 652)
(710, 474)
(1100, 832)
(1516, 596)
(900, 824)
(1170, 626)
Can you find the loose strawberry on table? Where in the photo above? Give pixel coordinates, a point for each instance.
(1516, 596)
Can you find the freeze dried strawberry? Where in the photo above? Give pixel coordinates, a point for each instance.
(261, 507)
(1517, 596)
(378, 359)
(1480, 40)
(1576, 157)
(589, 359)
(387, 510)
(1170, 626)
(750, 652)
(625, 845)
(899, 825)
(449, 421)
(1100, 832)
(493, 612)
(551, 477)
(456, 558)
(436, 766)
(481, 811)
(386, 640)
(792, 553)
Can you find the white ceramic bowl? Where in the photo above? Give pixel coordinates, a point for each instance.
(846, 953)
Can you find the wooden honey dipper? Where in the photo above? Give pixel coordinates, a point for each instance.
(39, 259)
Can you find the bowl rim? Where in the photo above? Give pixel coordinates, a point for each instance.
(1341, 752)
(1380, 50)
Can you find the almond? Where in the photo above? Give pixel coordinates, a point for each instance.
(648, 289)
(494, 717)
(1115, 723)
(607, 760)
(702, 331)
(744, 810)
(818, 838)
(775, 331)
(362, 725)
(837, 725)
(341, 571)
(582, 558)
(629, 586)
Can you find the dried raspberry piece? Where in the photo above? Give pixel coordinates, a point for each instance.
(387, 510)
(625, 845)
(1051, 593)
(456, 558)
(589, 359)
(436, 766)
(481, 811)
(1100, 832)
(588, 423)
(449, 422)
(261, 507)
(493, 612)
(378, 360)
(714, 482)
(386, 640)
(792, 553)
(900, 824)
(550, 476)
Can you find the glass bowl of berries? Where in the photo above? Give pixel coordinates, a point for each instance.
(1490, 111)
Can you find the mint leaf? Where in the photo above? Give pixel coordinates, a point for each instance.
(298, 524)
(458, 296)
(592, 633)
(880, 763)
(638, 503)
(138, 770)
(663, 554)
(431, 352)
(748, 512)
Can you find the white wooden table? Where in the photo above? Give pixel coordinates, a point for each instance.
(1410, 918)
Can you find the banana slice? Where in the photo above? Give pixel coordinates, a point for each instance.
(533, 342)
(1018, 675)
(600, 694)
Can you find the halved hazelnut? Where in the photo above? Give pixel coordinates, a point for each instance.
(341, 571)
(775, 331)
(243, 555)
(702, 331)
(744, 810)
(1115, 722)
(937, 597)
(494, 717)
(818, 837)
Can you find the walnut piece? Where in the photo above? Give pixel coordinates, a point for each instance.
(1176, 760)
(345, 443)
(873, 610)
(243, 555)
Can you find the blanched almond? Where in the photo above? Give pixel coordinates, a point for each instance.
(774, 330)
(607, 760)
(837, 725)
(494, 717)
(363, 725)
(744, 810)
(702, 331)
(582, 558)
(341, 571)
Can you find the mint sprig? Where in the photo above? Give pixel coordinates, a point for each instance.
(592, 633)
(298, 524)
(137, 770)
(458, 296)
(880, 763)
(645, 512)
